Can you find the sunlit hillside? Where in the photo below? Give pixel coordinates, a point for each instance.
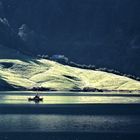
(29, 73)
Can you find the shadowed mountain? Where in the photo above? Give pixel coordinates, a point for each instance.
(8, 36)
(4, 86)
(36, 43)
(9, 53)
(103, 33)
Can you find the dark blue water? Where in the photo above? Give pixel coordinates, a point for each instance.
(69, 123)
(68, 126)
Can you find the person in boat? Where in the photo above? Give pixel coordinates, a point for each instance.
(37, 97)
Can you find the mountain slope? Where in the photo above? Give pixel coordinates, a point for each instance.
(9, 53)
(20, 72)
(29, 73)
(105, 33)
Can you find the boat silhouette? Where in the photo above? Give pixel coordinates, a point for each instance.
(36, 98)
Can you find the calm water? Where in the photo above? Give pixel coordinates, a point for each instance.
(70, 98)
(56, 126)
(69, 123)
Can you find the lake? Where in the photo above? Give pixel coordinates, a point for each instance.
(79, 116)
(69, 98)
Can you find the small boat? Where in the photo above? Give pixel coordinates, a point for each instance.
(36, 99)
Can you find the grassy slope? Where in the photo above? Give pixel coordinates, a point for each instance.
(28, 73)
(21, 71)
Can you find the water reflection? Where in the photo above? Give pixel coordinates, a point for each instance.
(23, 99)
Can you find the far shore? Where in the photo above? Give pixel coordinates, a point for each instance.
(74, 93)
(85, 89)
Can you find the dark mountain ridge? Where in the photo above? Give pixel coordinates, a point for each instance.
(98, 32)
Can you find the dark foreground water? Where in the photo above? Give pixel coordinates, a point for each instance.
(69, 123)
(69, 127)
(66, 117)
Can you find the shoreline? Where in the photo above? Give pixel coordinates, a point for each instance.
(71, 93)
